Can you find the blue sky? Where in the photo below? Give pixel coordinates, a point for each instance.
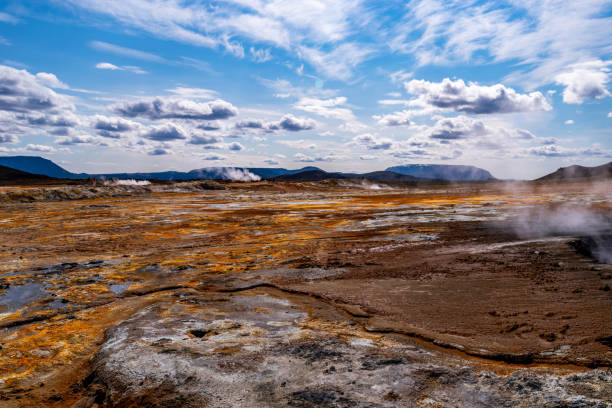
(517, 87)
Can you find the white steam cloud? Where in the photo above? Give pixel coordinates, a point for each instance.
(232, 173)
(594, 229)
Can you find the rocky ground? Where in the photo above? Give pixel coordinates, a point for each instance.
(307, 294)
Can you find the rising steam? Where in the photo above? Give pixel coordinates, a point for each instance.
(232, 173)
(593, 229)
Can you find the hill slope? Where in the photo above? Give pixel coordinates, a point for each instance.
(38, 165)
(10, 176)
(580, 172)
(443, 172)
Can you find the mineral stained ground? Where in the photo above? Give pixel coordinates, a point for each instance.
(306, 295)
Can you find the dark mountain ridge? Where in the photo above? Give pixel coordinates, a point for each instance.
(580, 172)
(450, 172)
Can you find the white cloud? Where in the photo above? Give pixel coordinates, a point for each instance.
(298, 144)
(39, 148)
(169, 108)
(328, 108)
(396, 119)
(400, 76)
(126, 52)
(316, 30)
(235, 146)
(107, 65)
(301, 157)
(339, 62)
(213, 156)
(569, 122)
(260, 55)
(165, 133)
(193, 93)
(7, 18)
(113, 127)
(545, 38)
(287, 122)
(112, 67)
(586, 80)
(373, 142)
(73, 140)
(474, 98)
(24, 92)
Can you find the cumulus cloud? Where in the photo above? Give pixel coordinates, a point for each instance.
(251, 124)
(74, 140)
(165, 133)
(395, 119)
(287, 122)
(235, 146)
(23, 92)
(205, 139)
(569, 122)
(50, 80)
(65, 119)
(162, 108)
(300, 157)
(159, 151)
(294, 124)
(585, 80)
(457, 128)
(474, 98)
(373, 142)
(214, 157)
(113, 127)
(7, 138)
(560, 151)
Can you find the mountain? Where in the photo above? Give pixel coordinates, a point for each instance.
(38, 165)
(388, 177)
(443, 172)
(266, 172)
(9, 176)
(414, 172)
(318, 175)
(580, 172)
(309, 175)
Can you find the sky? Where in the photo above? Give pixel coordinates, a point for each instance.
(519, 88)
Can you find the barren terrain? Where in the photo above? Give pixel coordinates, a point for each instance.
(306, 294)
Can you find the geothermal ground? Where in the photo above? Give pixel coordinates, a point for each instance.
(306, 295)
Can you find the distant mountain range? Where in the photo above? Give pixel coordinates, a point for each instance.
(318, 175)
(580, 172)
(443, 172)
(416, 172)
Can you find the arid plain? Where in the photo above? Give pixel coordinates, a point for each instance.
(306, 294)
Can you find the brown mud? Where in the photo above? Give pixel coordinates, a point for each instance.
(428, 296)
